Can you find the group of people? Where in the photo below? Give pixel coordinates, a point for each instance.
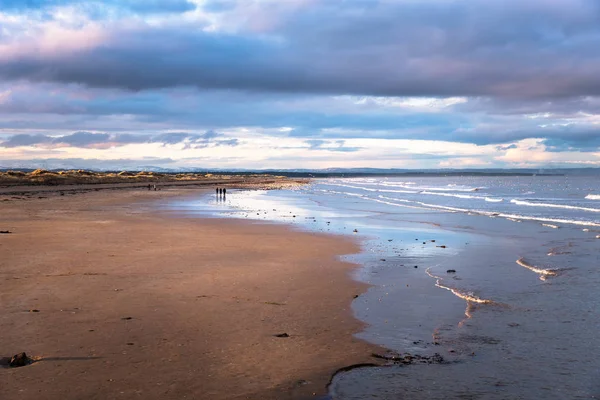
(221, 192)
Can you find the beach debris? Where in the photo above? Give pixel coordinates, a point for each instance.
(451, 271)
(5, 232)
(355, 231)
(441, 247)
(382, 259)
(34, 310)
(433, 241)
(130, 344)
(416, 266)
(282, 335)
(274, 303)
(513, 324)
(126, 318)
(356, 296)
(389, 240)
(19, 360)
(408, 359)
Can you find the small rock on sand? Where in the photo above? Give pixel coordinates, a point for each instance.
(451, 271)
(19, 360)
(5, 232)
(282, 335)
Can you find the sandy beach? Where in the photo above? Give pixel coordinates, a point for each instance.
(116, 301)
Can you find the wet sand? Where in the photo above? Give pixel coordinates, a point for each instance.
(116, 301)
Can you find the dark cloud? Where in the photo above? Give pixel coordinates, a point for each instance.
(88, 139)
(82, 139)
(435, 48)
(25, 140)
(508, 147)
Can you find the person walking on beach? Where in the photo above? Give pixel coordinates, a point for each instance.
(224, 192)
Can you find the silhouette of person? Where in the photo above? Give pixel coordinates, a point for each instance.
(224, 192)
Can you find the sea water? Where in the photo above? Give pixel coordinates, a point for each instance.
(518, 319)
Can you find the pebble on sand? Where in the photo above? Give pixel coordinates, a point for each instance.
(19, 360)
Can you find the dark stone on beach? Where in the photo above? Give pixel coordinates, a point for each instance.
(382, 259)
(130, 344)
(389, 240)
(282, 335)
(513, 324)
(34, 310)
(355, 231)
(19, 360)
(5, 232)
(126, 318)
(356, 296)
(433, 241)
(451, 271)
(424, 242)
(441, 247)
(416, 266)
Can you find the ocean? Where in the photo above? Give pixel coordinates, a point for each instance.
(498, 275)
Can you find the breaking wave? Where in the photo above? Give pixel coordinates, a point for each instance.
(551, 205)
(593, 197)
(544, 273)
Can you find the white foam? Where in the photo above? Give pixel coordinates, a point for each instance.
(544, 273)
(468, 296)
(502, 215)
(551, 205)
(593, 197)
(551, 226)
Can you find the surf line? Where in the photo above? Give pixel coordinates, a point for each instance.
(463, 295)
(470, 298)
(544, 273)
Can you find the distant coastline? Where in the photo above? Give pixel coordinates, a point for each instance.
(31, 176)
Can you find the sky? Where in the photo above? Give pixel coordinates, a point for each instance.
(125, 84)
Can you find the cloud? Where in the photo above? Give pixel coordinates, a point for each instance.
(138, 6)
(328, 145)
(104, 140)
(508, 147)
(88, 163)
(170, 78)
(429, 48)
(25, 140)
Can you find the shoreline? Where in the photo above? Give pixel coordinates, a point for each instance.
(96, 258)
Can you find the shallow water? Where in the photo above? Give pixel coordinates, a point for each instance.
(518, 319)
